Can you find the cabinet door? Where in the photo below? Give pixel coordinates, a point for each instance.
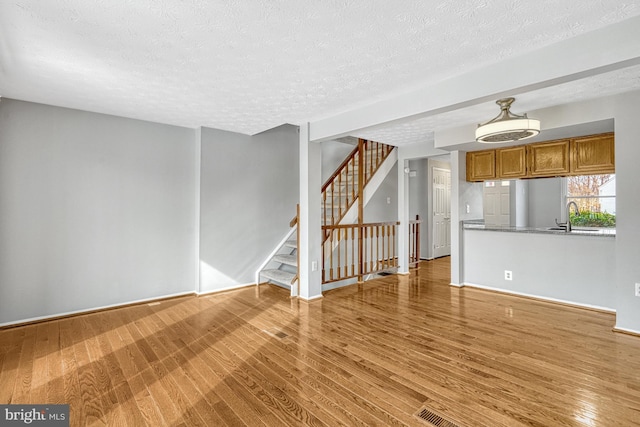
(481, 165)
(593, 155)
(511, 162)
(549, 159)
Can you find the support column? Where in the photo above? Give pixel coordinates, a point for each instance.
(309, 246)
(458, 168)
(403, 217)
(196, 221)
(361, 166)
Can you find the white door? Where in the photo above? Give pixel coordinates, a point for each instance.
(496, 203)
(441, 193)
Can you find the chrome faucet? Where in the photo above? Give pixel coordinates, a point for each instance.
(567, 225)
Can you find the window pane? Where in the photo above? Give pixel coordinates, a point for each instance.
(591, 185)
(595, 204)
(595, 197)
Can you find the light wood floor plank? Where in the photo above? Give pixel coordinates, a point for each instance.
(364, 355)
(24, 373)
(10, 347)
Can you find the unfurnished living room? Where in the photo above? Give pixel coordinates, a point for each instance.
(412, 213)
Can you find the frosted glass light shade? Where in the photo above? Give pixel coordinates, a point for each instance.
(507, 127)
(508, 130)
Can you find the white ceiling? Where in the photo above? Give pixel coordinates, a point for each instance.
(422, 130)
(248, 66)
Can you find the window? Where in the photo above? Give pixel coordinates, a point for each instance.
(595, 196)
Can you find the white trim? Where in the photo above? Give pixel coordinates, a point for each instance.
(274, 252)
(198, 173)
(228, 288)
(91, 310)
(522, 294)
(315, 297)
(456, 285)
(631, 331)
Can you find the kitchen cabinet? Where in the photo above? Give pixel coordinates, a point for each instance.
(584, 155)
(481, 165)
(548, 159)
(511, 162)
(593, 155)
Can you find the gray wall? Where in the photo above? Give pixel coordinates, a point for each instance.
(420, 200)
(383, 206)
(545, 201)
(248, 195)
(333, 154)
(627, 128)
(95, 210)
(576, 269)
(519, 202)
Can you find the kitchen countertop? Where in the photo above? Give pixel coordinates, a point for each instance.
(479, 225)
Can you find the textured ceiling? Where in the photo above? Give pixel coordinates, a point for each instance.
(251, 65)
(422, 130)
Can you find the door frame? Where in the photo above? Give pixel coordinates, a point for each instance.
(432, 195)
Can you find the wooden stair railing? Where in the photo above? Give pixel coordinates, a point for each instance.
(341, 190)
(344, 258)
(341, 250)
(414, 241)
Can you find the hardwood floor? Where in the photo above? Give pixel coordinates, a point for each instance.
(364, 355)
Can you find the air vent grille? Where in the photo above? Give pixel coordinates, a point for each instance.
(434, 419)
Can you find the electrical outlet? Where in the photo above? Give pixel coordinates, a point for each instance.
(314, 265)
(508, 275)
(638, 289)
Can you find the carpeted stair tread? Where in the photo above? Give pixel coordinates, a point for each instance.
(280, 276)
(291, 244)
(291, 260)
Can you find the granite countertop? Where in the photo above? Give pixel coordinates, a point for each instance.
(479, 225)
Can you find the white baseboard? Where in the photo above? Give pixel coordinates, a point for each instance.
(313, 298)
(538, 297)
(91, 310)
(626, 331)
(456, 285)
(228, 288)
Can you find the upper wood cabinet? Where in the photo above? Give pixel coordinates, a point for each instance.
(481, 165)
(511, 162)
(549, 158)
(592, 155)
(584, 155)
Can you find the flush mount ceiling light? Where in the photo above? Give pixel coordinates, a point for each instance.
(507, 127)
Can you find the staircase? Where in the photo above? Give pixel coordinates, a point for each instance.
(284, 268)
(339, 196)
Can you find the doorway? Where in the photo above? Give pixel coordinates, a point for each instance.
(441, 194)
